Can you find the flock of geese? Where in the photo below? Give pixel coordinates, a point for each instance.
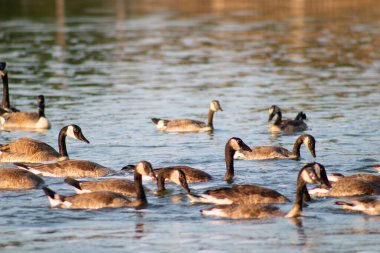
(34, 160)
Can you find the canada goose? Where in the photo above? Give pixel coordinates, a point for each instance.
(122, 186)
(15, 179)
(102, 199)
(289, 125)
(245, 211)
(27, 150)
(67, 168)
(5, 106)
(176, 176)
(242, 194)
(272, 152)
(369, 206)
(193, 175)
(355, 185)
(188, 125)
(26, 120)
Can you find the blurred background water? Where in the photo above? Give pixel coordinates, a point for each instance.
(109, 66)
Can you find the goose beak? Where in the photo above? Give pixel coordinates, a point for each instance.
(185, 186)
(220, 108)
(271, 117)
(128, 167)
(313, 153)
(82, 138)
(244, 147)
(325, 184)
(153, 176)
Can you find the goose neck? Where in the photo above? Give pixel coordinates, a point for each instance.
(5, 101)
(141, 197)
(210, 118)
(229, 156)
(62, 143)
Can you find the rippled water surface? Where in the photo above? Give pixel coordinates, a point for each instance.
(109, 66)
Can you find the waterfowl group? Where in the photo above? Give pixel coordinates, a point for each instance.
(35, 159)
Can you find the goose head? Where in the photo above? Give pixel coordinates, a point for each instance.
(309, 142)
(309, 175)
(75, 132)
(215, 106)
(145, 168)
(321, 173)
(179, 177)
(273, 110)
(238, 145)
(2, 68)
(2, 65)
(41, 100)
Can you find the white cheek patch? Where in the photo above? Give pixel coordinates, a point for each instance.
(307, 177)
(174, 177)
(239, 155)
(307, 141)
(70, 132)
(54, 202)
(160, 124)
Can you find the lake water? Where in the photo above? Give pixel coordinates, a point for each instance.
(109, 66)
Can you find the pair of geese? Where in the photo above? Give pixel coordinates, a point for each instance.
(189, 125)
(11, 118)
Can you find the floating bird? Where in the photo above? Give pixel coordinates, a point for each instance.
(26, 150)
(102, 199)
(26, 120)
(16, 179)
(277, 152)
(289, 125)
(189, 125)
(249, 210)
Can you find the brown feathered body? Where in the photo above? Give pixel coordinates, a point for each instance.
(16, 179)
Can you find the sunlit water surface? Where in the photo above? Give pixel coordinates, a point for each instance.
(109, 66)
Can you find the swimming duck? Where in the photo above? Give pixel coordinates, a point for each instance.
(15, 179)
(289, 125)
(26, 150)
(369, 206)
(188, 125)
(5, 106)
(273, 152)
(102, 199)
(249, 210)
(26, 120)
